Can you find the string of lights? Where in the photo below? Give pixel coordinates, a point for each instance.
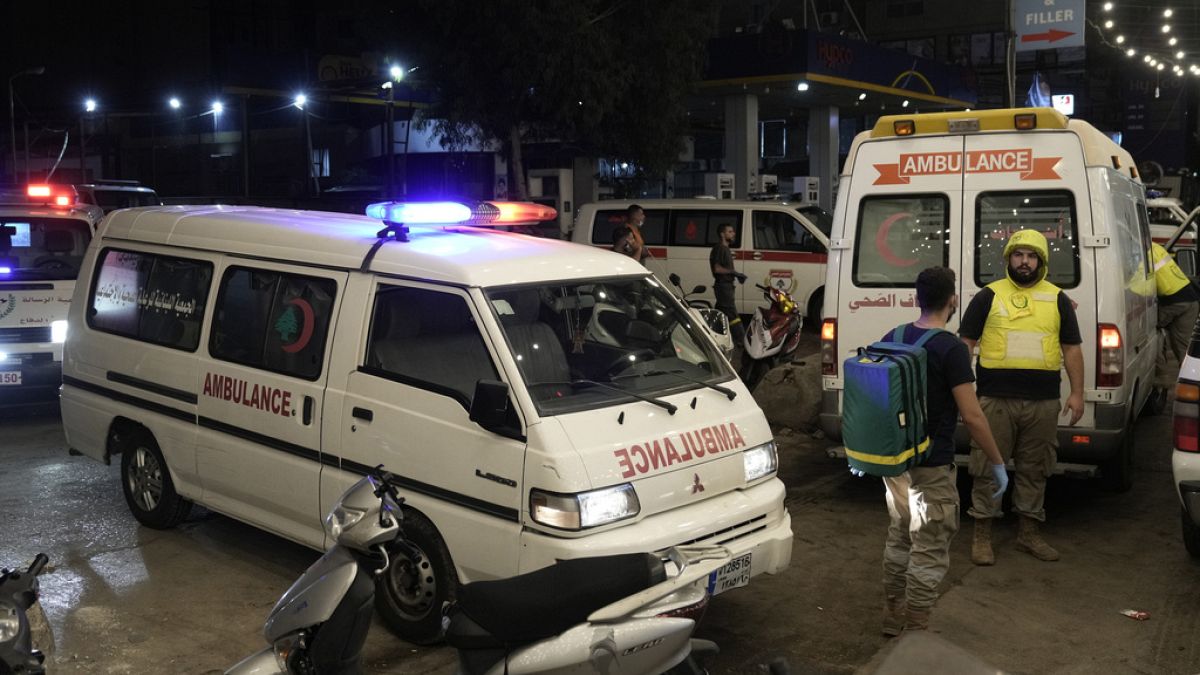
(1175, 56)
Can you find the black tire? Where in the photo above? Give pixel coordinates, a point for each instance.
(815, 305)
(753, 372)
(1116, 474)
(147, 484)
(410, 595)
(1156, 403)
(1191, 534)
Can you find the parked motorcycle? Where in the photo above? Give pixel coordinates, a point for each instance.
(19, 596)
(714, 319)
(616, 614)
(772, 336)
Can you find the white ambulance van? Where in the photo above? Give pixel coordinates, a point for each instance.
(949, 189)
(540, 400)
(44, 233)
(778, 244)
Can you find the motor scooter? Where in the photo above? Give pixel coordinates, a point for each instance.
(620, 614)
(772, 336)
(714, 319)
(19, 596)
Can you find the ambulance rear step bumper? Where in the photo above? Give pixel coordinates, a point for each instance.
(1060, 469)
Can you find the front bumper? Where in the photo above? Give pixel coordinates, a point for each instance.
(41, 376)
(751, 520)
(1185, 467)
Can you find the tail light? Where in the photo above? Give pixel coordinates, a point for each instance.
(1110, 356)
(829, 347)
(1187, 417)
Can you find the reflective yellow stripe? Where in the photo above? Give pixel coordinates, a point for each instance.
(1161, 264)
(887, 459)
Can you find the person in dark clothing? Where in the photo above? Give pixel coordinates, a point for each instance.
(923, 501)
(720, 259)
(623, 241)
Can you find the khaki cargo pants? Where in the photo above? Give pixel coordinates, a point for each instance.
(1179, 318)
(1027, 435)
(923, 503)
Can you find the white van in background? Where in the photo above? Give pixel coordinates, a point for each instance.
(111, 195)
(777, 244)
(538, 400)
(949, 189)
(43, 236)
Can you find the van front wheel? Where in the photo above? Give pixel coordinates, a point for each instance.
(419, 580)
(147, 484)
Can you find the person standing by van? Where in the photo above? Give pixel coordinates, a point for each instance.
(923, 501)
(634, 217)
(1025, 328)
(623, 241)
(720, 259)
(1177, 310)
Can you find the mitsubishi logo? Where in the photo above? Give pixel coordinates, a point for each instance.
(697, 486)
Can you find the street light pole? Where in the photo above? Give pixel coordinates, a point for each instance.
(12, 117)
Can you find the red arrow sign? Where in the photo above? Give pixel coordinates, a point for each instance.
(1052, 35)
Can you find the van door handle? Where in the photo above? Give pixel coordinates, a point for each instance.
(363, 414)
(757, 255)
(308, 410)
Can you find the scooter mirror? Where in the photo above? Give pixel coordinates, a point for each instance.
(675, 279)
(699, 289)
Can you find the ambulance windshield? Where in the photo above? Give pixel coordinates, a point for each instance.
(36, 248)
(583, 345)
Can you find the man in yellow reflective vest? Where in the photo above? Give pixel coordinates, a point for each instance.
(1177, 309)
(1026, 330)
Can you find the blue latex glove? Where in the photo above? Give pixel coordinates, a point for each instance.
(858, 473)
(1001, 477)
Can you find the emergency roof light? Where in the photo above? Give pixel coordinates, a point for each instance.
(57, 195)
(457, 213)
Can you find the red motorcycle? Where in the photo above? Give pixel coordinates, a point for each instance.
(772, 336)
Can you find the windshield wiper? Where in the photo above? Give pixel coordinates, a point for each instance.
(729, 393)
(670, 408)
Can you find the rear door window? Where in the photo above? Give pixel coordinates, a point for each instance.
(700, 228)
(654, 229)
(1052, 212)
(898, 236)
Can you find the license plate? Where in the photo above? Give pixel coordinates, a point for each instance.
(735, 574)
(10, 377)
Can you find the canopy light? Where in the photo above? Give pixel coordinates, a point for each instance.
(174, 103)
(90, 105)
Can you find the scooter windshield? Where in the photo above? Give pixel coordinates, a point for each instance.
(584, 345)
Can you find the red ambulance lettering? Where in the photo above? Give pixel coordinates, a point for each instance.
(1009, 160)
(258, 396)
(651, 455)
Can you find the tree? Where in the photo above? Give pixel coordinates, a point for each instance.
(608, 76)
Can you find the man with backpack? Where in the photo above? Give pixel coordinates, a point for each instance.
(923, 499)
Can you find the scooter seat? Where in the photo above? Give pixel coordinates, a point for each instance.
(546, 602)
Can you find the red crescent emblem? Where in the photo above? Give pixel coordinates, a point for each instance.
(881, 244)
(306, 325)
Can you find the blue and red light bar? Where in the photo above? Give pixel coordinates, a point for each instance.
(456, 213)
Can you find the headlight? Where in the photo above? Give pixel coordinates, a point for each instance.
(9, 623)
(760, 461)
(287, 648)
(585, 509)
(58, 331)
(342, 518)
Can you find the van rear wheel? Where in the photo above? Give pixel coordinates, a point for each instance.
(1191, 534)
(147, 484)
(410, 594)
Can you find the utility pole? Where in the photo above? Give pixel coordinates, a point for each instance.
(389, 135)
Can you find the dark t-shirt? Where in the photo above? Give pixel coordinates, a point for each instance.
(1026, 384)
(721, 255)
(948, 364)
(1186, 294)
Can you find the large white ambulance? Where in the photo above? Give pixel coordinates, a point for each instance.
(541, 400)
(43, 236)
(949, 189)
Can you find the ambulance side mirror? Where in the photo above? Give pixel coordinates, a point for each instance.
(489, 407)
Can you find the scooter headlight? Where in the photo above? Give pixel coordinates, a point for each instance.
(759, 461)
(584, 509)
(342, 518)
(287, 649)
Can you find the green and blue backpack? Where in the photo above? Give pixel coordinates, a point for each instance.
(883, 407)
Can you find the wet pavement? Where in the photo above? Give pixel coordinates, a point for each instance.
(126, 599)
